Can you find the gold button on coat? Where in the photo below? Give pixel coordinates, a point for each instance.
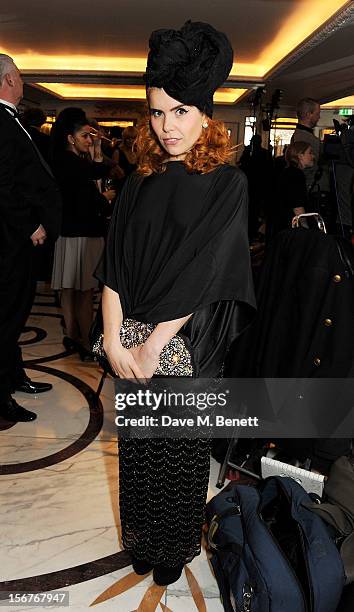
(328, 322)
(317, 361)
(337, 278)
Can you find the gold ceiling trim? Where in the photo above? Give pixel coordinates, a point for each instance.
(80, 91)
(346, 102)
(296, 28)
(305, 28)
(340, 17)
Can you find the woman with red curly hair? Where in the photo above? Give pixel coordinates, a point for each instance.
(177, 285)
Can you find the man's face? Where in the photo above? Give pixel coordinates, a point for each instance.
(16, 84)
(314, 116)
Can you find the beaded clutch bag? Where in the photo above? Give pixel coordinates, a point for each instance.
(175, 358)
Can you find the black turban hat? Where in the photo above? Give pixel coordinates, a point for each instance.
(189, 64)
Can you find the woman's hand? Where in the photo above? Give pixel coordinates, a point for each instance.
(122, 361)
(110, 194)
(97, 151)
(146, 360)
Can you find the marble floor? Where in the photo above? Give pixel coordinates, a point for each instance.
(59, 519)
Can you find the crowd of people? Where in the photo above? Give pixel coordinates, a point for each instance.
(85, 178)
(298, 181)
(172, 257)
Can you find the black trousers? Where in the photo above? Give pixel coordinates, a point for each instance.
(16, 297)
(17, 372)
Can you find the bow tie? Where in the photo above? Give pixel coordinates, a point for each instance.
(13, 111)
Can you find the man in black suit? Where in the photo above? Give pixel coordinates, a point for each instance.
(30, 210)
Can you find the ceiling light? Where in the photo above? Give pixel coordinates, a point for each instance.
(300, 24)
(340, 103)
(80, 91)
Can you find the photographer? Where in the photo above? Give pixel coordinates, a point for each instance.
(317, 177)
(339, 150)
(308, 113)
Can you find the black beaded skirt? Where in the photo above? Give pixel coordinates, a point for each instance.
(163, 489)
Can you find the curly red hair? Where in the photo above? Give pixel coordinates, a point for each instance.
(212, 149)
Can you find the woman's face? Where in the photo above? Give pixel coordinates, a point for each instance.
(306, 159)
(177, 126)
(81, 140)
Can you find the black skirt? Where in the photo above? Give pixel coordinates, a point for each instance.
(163, 490)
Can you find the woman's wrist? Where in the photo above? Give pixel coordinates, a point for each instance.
(153, 347)
(162, 334)
(111, 338)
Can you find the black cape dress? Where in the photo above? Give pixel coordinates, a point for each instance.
(177, 245)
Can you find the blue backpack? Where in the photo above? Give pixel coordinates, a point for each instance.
(271, 553)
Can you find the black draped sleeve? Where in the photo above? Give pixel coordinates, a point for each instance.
(109, 270)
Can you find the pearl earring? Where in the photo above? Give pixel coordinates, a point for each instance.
(205, 125)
